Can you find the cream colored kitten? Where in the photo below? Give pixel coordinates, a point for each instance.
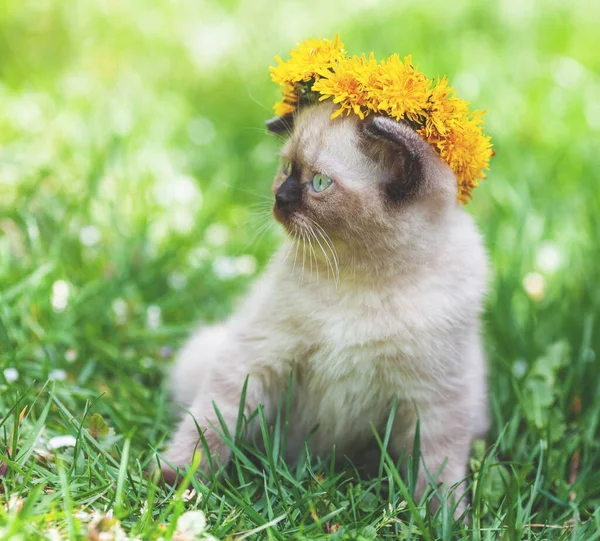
(375, 296)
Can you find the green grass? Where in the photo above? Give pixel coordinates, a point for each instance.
(132, 165)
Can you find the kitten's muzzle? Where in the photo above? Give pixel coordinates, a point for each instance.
(288, 198)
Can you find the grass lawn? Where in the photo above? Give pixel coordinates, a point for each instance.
(133, 175)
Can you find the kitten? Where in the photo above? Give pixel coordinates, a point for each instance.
(376, 296)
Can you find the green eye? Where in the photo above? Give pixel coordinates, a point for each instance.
(321, 182)
(287, 168)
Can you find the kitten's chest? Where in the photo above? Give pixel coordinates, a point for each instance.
(364, 337)
(359, 353)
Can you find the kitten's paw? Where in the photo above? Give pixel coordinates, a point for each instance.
(170, 476)
(177, 458)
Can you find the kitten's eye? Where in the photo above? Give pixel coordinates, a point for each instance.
(286, 167)
(321, 182)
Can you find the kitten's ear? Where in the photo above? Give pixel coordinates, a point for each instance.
(281, 124)
(400, 152)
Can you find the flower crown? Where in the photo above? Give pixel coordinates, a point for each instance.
(320, 70)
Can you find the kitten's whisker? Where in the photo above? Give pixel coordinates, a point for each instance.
(303, 256)
(258, 102)
(300, 243)
(296, 256)
(260, 208)
(335, 267)
(266, 132)
(246, 190)
(334, 270)
(316, 262)
(267, 224)
(288, 243)
(264, 223)
(328, 263)
(326, 238)
(310, 257)
(334, 274)
(260, 216)
(329, 243)
(313, 253)
(280, 136)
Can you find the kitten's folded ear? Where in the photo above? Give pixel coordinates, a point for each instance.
(400, 152)
(281, 124)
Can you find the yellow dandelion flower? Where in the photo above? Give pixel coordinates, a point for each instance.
(370, 75)
(289, 101)
(313, 56)
(404, 90)
(281, 108)
(344, 86)
(392, 87)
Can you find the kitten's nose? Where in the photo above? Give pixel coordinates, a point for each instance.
(288, 196)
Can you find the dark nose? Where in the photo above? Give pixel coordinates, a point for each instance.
(288, 196)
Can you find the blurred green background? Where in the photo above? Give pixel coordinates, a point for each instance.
(134, 169)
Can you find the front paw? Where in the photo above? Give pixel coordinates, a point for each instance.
(173, 472)
(178, 458)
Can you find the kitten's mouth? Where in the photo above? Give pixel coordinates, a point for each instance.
(292, 221)
(284, 216)
(277, 214)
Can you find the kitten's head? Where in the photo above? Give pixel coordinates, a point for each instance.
(370, 184)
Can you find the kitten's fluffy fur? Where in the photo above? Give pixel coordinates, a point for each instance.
(393, 312)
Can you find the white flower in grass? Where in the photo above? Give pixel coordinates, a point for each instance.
(15, 503)
(53, 534)
(188, 495)
(104, 527)
(176, 190)
(58, 442)
(71, 355)
(153, 316)
(43, 454)
(82, 515)
(177, 280)
(190, 525)
(534, 285)
(519, 368)
(120, 309)
(60, 295)
(216, 234)
(57, 375)
(198, 257)
(89, 235)
(183, 220)
(33, 231)
(11, 375)
(246, 265)
(548, 257)
(225, 268)
(144, 508)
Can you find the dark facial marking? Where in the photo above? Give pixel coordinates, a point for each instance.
(398, 149)
(281, 124)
